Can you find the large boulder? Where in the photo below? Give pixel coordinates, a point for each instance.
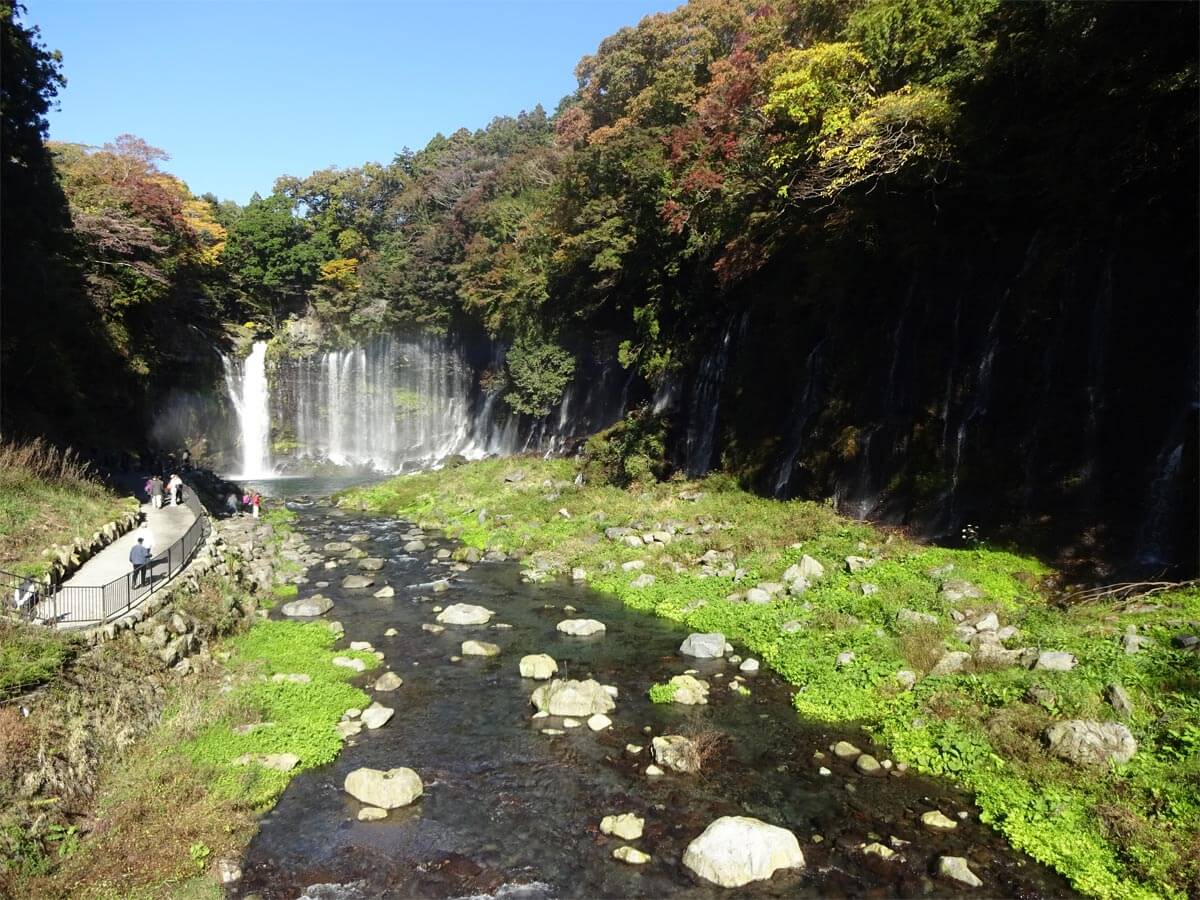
(464, 614)
(572, 698)
(316, 605)
(703, 646)
(1091, 743)
(735, 850)
(538, 666)
(386, 790)
(581, 627)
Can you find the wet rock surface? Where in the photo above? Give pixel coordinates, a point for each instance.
(511, 804)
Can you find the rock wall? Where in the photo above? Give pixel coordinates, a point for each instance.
(115, 690)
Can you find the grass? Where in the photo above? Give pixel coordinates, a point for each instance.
(1133, 831)
(48, 497)
(31, 655)
(175, 803)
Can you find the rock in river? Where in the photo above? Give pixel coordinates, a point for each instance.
(955, 868)
(631, 855)
(479, 648)
(356, 582)
(464, 614)
(626, 826)
(377, 715)
(689, 691)
(703, 646)
(572, 698)
(735, 850)
(316, 605)
(677, 753)
(386, 790)
(538, 666)
(581, 627)
(388, 681)
(371, 564)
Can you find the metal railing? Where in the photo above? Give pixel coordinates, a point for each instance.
(77, 606)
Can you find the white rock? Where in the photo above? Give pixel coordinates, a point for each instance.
(676, 752)
(757, 596)
(432, 629)
(348, 663)
(371, 814)
(581, 627)
(386, 790)
(479, 648)
(571, 723)
(631, 855)
(465, 614)
(955, 868)
(386, 591)
(626, 826)
(578, 574)
(935, 820)
(361, 645)
(539, 666)
(703, 646)
(599, 722)
(749, 665)
(736, 850)
(653, 771)
(1055, 660)
(642, 581)
(1091, 743)
(633, 565)
(316, 605)
(291, 678)
(388, 681)
(572, 698)
(950, 663)
(377, 715)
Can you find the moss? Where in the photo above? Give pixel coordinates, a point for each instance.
(1131, 832)
(662, 693)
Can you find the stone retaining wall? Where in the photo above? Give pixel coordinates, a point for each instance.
(66, 559)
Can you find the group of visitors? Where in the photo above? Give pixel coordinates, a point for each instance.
(250, 500)
(171, 492)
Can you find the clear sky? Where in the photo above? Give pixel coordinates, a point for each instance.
(239, 93)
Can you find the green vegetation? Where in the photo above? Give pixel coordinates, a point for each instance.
(662, 693)
(1130, 832)
(30, 655)
(48, 496)
(169, 809)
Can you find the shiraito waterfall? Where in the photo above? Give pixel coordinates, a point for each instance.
(401, 401)
(390, 402)
(247, 385)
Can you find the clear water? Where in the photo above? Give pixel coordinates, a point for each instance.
(511, 812)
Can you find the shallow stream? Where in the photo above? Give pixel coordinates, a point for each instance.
(511, 812)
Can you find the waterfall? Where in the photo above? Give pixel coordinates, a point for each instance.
(390, 402)
(805, 408)
(247, 385)
(400, 401)
(706, 402)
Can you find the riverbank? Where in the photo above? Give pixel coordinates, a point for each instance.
(951, 657)
(139, 769)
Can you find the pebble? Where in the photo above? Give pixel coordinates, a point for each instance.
(653, 771)
(631, 855)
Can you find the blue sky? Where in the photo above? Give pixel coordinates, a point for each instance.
(239, 93)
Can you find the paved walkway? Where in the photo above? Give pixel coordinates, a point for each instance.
(161, 528)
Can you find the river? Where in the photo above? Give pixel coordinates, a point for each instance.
(511, 812)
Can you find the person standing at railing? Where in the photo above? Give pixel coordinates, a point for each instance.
(139, 555)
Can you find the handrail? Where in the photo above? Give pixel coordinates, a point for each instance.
(69, 606)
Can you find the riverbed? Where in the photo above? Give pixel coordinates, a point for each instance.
(510, 811)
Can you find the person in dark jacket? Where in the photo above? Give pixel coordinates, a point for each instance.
(139, 555)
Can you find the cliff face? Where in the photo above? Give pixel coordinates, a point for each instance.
(1036, 379)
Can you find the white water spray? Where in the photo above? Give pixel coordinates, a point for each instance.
(250, 396)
